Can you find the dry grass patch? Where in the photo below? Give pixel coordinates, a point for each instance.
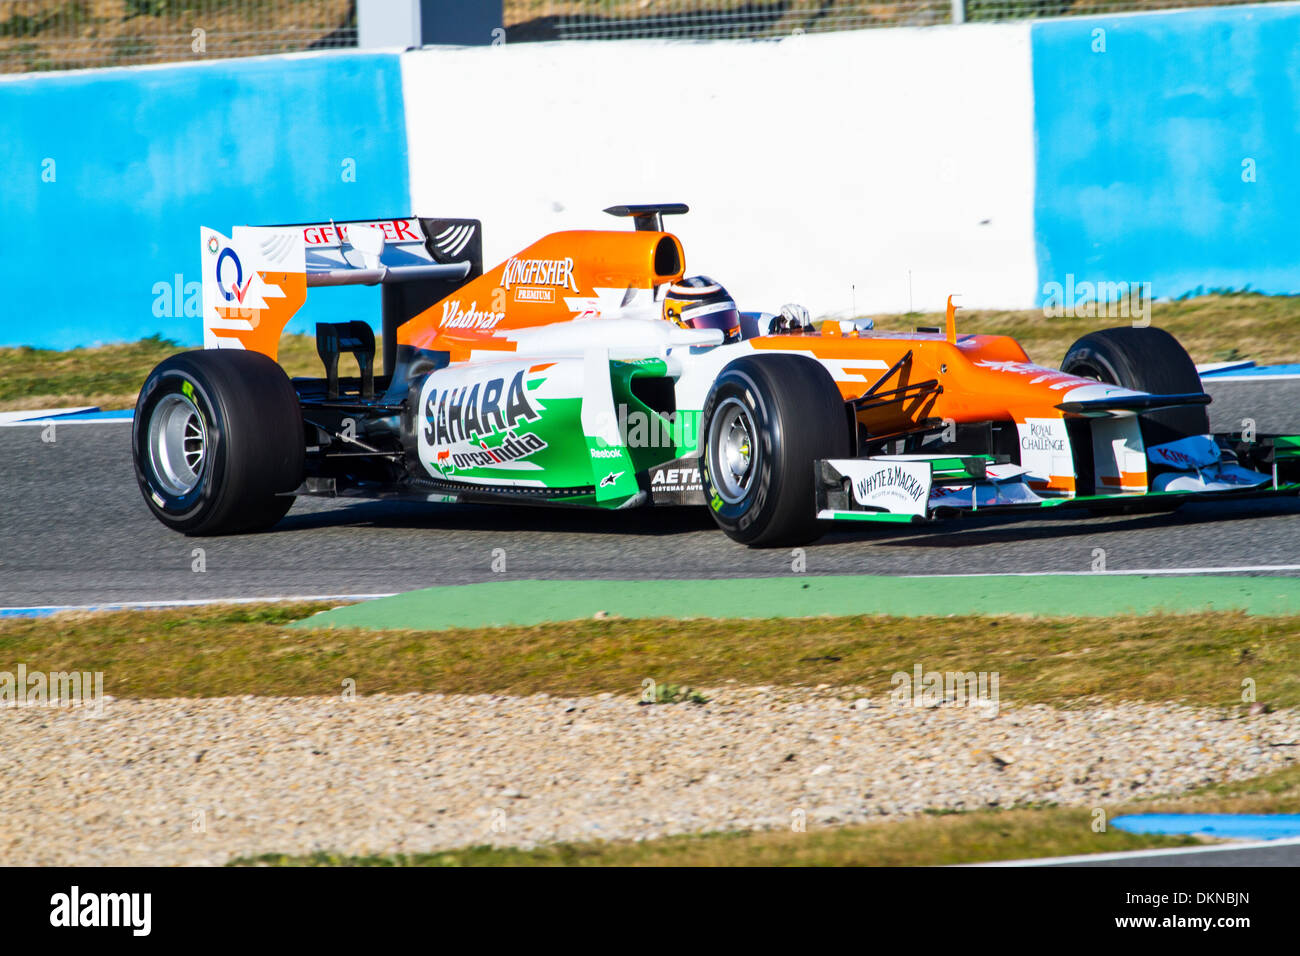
(1212, 328)
(229, 651)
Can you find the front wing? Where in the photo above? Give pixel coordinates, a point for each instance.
(908, 488)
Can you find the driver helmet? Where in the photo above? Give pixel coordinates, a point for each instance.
(701, 303)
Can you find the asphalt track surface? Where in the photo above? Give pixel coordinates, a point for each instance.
(74, 530)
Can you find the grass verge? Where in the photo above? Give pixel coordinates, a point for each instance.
(975, 837)
(229, 651)
(1211, 327)
(109, 376)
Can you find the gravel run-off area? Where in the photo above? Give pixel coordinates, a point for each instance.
(202, 781)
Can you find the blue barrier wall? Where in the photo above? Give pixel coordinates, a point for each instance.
(109, 174)
(1145, 149)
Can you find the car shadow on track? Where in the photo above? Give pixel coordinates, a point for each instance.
(513, 518)
(976, 531)
(967, 531)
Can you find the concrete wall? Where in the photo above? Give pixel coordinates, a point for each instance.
(108, 175)
(811, 165)
(1168, 149)
(985, 160)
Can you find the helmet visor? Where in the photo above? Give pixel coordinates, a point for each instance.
(710, 317)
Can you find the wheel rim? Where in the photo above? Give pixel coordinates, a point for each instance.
(733, 451)
(1088, 370)
(178, 444)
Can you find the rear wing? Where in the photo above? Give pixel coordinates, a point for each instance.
(256, 280)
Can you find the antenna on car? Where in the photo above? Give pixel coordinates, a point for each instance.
(951, 323)
(650, 218)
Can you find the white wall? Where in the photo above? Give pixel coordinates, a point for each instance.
(810, 164)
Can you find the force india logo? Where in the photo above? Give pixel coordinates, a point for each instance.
(469, 414)
(543, 272)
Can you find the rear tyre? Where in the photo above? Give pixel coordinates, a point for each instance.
(1145, 360)
(217, 441)
(766, 420)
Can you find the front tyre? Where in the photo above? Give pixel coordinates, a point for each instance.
(217, 442)
(766, 420)
(1145, 359)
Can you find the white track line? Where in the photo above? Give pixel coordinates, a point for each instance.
(1215, 379)
(61, 422)
(1143, 854)
(195, 602)
(7, 418)
(1101, 574)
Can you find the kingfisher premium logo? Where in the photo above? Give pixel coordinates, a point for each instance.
(540, 272)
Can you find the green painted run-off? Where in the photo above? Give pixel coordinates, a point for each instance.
(533, 602)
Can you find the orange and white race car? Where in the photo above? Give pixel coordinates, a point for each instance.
(587, 370)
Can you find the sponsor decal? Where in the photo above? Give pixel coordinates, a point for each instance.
(395, 230)
(1059, 380)
(678, 482)
(453, 240)
(456, 316)
(1195, 451)
(676, 479)
(213, 245)
(238, 288)
(533, 294)
(512, 448)
(1046, 455)
(890, 481)
(898, 487)
(539, 272)
(1042, 437)
(468, 412)
(476, 425)
(606, 453)
(609, 479)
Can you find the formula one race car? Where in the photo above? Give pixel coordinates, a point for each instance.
(586, 371)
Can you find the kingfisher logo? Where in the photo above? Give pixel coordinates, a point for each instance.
(238, 288)
(1176, 457)
(540, 272)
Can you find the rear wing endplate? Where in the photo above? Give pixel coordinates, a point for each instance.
(255, 280)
